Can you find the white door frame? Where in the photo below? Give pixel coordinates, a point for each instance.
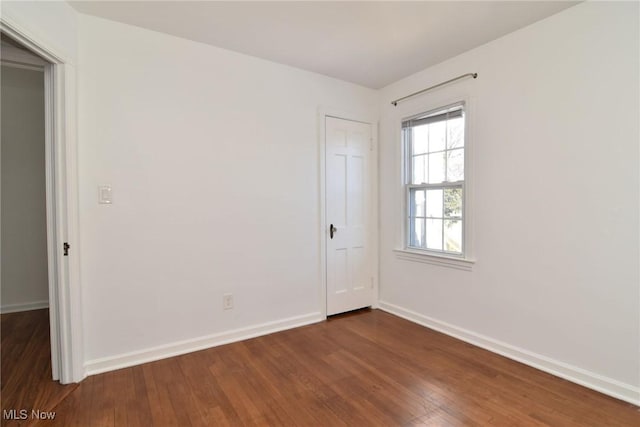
(323, 113)
(65, 310)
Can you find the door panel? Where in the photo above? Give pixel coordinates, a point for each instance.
(348, 209)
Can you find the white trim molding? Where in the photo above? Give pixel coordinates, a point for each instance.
(609, 386)
(427, 258)
(112, 363)
(25, 306)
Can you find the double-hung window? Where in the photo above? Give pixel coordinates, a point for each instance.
(434, 147)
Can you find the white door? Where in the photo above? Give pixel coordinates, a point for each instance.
(348, 215)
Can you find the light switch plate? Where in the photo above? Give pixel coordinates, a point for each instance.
(105, 195)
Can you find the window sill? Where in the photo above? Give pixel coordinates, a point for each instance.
(440, 260)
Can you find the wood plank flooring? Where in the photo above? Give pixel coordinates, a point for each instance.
(26, 365)
(367, 368)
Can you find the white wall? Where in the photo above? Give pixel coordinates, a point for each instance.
(213, 160)
(554, 116)
(24, 220)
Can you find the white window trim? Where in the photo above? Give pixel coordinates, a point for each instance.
(425, 257)
(402, 250)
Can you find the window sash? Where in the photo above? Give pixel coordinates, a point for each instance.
(412, 188)
(441, 114)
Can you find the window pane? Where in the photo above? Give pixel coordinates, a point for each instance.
(436, 168)
(434, 234)
(437, 136)
(417, 203)
(453, 236)
(420, 139)
(455, 137)
(434, 203)
(453, 202)
(455, 165)
(417, 233)
(419, 170)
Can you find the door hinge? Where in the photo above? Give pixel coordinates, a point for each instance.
(65, 248)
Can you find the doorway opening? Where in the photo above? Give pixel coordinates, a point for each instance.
(31, 361)
(33, 225)
(25, 281)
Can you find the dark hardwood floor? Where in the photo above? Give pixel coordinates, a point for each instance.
(26, 365)
(360, 369)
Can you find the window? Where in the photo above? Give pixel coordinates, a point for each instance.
(435, 180)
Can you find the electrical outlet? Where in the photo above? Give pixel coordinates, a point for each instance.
(227, 301)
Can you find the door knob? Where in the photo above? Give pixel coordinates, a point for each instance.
(332, 230)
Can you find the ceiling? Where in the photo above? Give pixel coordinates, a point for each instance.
(369, 43)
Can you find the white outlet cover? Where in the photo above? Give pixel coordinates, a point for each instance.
(105, 195)
(227, 301)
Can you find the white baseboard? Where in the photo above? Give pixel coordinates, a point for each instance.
(126, 360)
(602, 384)
(14, 308)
